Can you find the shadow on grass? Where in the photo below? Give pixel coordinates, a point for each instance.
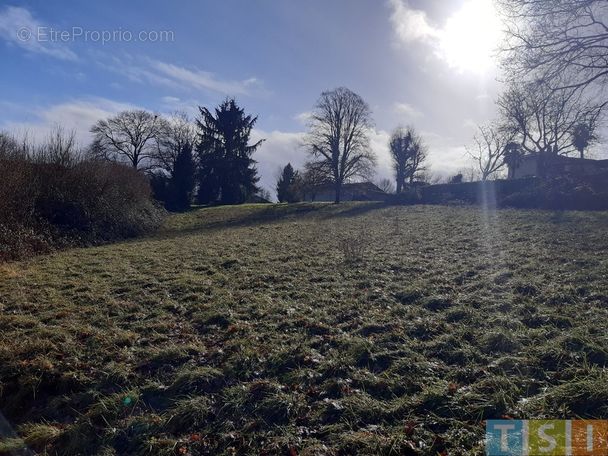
(355, 210)
(222, 217)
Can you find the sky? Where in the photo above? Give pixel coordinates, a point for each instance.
(426, 63)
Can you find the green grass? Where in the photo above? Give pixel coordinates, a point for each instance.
(259, 330)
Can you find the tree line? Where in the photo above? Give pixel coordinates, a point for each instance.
(555, 67)
(210, 160)
(338, 145)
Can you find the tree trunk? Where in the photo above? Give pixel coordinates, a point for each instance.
(338, 191)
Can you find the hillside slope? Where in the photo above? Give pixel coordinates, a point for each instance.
(260, 330)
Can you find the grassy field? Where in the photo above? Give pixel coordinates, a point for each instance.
(259, 330)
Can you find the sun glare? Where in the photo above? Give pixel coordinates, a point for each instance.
(471, 36)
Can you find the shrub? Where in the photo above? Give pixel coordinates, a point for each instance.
(353, 248)
(564, 192)
(50, 199)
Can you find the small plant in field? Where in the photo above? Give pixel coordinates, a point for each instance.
(396, 231)
(353, 248)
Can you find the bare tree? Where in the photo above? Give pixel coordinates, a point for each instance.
(311, 180)
(129, 136)
(338, 138)
(488, 149)
(59, 148)
(542, 119)
(408, 153)
(471, 174)
(11, 148)
(386, 185)
(175, 133)
(513, 157)
(548, 40)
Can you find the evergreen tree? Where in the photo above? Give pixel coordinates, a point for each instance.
(286, 192)
(182, 182)
(159, 183)
(227, 173)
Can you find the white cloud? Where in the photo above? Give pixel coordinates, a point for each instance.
(145, 70)
(406, 111)
(443, 158)
(188, 106)
(76, 115)
(19, 28)
(303, 117)
(466, 41)
(447, 162)
(410, 24)
(470, 124)
(169, 99)
(205, 80)
(379, 140)
(278, 149)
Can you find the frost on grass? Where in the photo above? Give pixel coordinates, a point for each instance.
(307, 329)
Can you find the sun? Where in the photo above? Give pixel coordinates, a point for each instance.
(470, 37)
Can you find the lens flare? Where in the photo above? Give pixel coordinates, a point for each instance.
(470, 37)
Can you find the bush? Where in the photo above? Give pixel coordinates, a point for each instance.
(565, 192)
(47, 200)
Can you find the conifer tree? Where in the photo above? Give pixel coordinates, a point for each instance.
(182, 182)
(227, 172)
(286, 193)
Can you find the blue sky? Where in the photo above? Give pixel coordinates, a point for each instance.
(424, 63)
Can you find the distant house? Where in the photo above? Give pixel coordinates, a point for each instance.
(361, 191)
(534, 165)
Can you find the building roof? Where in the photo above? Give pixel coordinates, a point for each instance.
(566, 159)
(361, 187)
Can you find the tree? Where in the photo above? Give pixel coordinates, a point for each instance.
(562, 42)
(176, 132)
(408, 153)
(59, 148)
(286, 192)
(513, 157)
(182, 181)
(338, 138)
(542, 120)
(313, 178)
(386, 185)
(129, 136)
(9, 147)
(227, 173)
(583, 136)
(456, 179)
(488, 150)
